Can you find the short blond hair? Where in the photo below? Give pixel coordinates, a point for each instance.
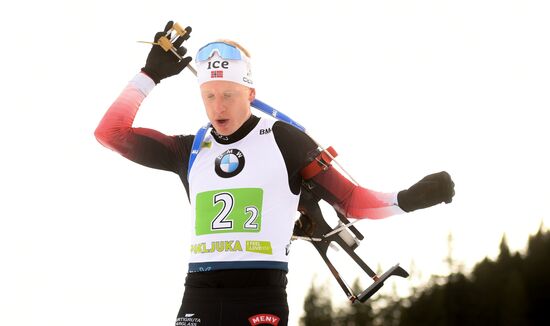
(237, 45)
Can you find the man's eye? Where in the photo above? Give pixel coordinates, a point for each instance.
(227, 95)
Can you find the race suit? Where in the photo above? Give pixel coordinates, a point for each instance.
(244, 190)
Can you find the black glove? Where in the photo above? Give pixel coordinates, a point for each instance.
(161, 64)
(431, 190)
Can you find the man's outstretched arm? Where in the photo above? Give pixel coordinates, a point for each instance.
(354, 201)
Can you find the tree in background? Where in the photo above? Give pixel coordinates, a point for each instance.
(317, 307)
(536, 273)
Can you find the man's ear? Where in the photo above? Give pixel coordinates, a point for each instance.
(252, 94)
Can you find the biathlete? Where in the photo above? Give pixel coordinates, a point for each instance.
(243, 186)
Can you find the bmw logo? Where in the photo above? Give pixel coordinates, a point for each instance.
(229, 163)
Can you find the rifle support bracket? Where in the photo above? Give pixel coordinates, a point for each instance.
(312, 226)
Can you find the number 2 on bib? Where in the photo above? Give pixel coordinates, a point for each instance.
(228, 210)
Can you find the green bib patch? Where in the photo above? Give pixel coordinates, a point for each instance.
(229, 211)
(260, 247)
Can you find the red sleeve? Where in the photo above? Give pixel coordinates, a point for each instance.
(141, 145)
(353, 201)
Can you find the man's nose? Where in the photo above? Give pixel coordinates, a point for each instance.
(219, 105)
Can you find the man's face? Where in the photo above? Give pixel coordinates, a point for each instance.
(227, 105)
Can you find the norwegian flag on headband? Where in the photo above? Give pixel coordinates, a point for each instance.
(216, 74)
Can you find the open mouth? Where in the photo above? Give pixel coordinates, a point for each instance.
(222, 122)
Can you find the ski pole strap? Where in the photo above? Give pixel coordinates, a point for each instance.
(197, 143)
(276, 114)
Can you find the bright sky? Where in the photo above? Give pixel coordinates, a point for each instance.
(401, 89)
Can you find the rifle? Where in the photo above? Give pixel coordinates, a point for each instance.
(312, 226)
